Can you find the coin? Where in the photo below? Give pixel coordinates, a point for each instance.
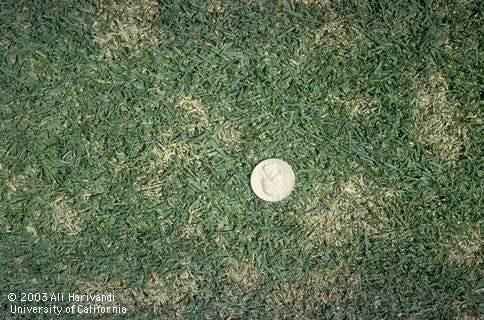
(272, 180)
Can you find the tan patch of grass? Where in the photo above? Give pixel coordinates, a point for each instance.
(467, 251)
(184, 285)
(333, 287)
(4, 43)
(66, 219)
(31, 230)
(5, 227)
(179, 152)
(16, 182)
(229, 136)
(123, 296)
(194, 110)
(154, 293)
(191, 228)
(245, 274)
(175, 151)
(338, 33)
(119, 163)
(356, 105)
(20, 182)
(93, 148)
(253, 156)
(322, 3)
(466, 3)
(126, 24)
(218, 237)
(468, 316)
(189, 231)
(220, 241)
(351, 206)
(434, 122)
(215, 7)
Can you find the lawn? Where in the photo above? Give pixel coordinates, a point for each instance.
(129, 130)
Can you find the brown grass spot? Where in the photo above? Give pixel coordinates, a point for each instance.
(20, 182)
(229, 136)
(215, 7)
(338, 33)
(468, 316)
(155, 293)
(194, 111)
(5, 43)
(331, 286)
(349, 207)
(176, 151)
(220, 241)
(245, 274)
(65, 219)
(126, 24)
(434, 123)
(93, 148)
(5, 227)
(119, 163)
(467, 251)
(321, 3)
(356, 104)
(31, 230)
(191, 228)
(16, 183)
(123, 296)
(180, 152)
(184, 285)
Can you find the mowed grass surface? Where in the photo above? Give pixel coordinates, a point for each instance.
(129, 130)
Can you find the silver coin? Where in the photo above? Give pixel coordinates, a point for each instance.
(272, 180)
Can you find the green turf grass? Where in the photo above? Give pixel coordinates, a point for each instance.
(129, 130)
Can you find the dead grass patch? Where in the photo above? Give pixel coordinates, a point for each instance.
(245, 274)
(191, 228)
(16, 182)
(356, 104)
(468, 316)
(194, 111)
(230, 136)
(119, 163)
(215, 7)
(126, 24)
(163, 155)
(31, 230)
(5, 227)
(220, 241)
(336, 32)
(65, 219)
(20, 182)
(175, 151)
(5, 43)
(333, 287)
(467, 251)
(349, 207)
(321, 3)
(184, 285)
(117, 288)
(434, 121)
(155, 293)
(93, 148)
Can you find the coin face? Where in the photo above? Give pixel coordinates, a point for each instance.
(272, 180)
